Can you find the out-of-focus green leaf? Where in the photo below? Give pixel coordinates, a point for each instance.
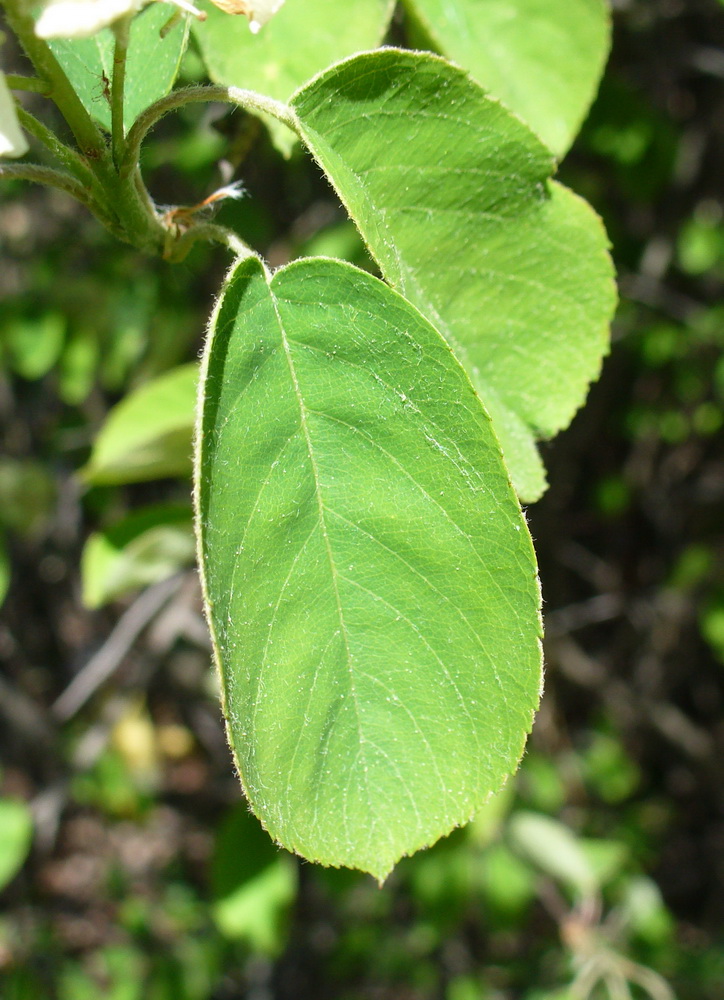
(541, 784)
(701, 240)
(78, 366)
(553, 848)
(120, 968)
(154, 57)
(606, 858)
(370, 580)
(304, 37)
(487, 822)
(645, 912)
(341, 240)
(562, 994)
(691, 568)
(27, 496)
(148, 434)
(542, 58)
(110, 786)
(608, 768)
(711, 622)
(143, 548)
(451, 193)
(254, 883)
(465, 988)
(16, 832)
(34, 345)
(507, 884)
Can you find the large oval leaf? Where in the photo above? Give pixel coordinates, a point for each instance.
(450, 192)
(542, 58)
(370, 580)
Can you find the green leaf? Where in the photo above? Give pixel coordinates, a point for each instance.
(554, 849)
(254, 883)
(542, 58)
(16, 831)
(606, 858)
(450, 192)
(144, 548)
(304, 37)
(148, 434)
(370, 580)
(154, 57)
(508, 884)
(34, 344)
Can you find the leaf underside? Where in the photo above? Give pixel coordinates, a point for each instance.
(370, 581)
(452, 196)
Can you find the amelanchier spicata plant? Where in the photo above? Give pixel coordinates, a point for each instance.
(362, 443)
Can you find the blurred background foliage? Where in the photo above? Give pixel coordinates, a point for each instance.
(129, 866)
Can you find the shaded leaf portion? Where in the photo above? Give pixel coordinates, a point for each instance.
(370, 580)
(154, 57)
(304, 37)
(542, 58)
(143, 548)
(450, 192)
(148, 434)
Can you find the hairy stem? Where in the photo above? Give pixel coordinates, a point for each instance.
(56, 179)
(121, 30)
(178, 248)
(70, 159)
(29, 83)
(247, 99)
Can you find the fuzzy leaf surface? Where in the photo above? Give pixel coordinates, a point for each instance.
(152, 65)
(452, 196)
(370, 581)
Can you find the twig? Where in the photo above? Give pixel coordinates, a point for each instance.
(246, 99)
(111, 654)
(178, 249)
(47, 175)
(601, 608)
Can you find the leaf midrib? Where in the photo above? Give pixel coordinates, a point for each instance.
(325, 534)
